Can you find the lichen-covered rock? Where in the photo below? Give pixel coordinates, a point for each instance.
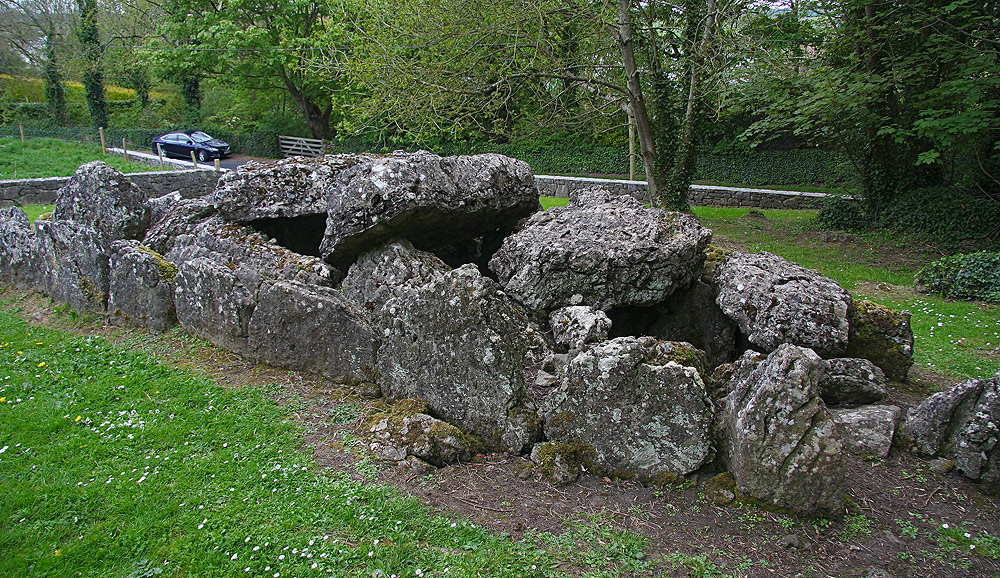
(883, 336)
(633, 411)
(104, 200)
(221, 270)
(430, 200)
(460, 343)
(778, 439)
(292, 187)
(867, 430)
(775, 301)
(405, 429)
(386, 272)
(852, 381)
(577, 325)
(600, 250)
(962, 424)
(174, 219)
(312, 328)
(73, 261)
(559, 463)
(141, 287)
(21, 264)
(726, 377)
(692, 315)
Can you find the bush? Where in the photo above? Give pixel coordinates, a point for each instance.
(965, 276)
(841, 214)
(949, 215)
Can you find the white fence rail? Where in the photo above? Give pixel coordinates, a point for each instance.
(296, 146)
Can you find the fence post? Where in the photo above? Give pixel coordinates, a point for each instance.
(218, 165)
(21, 128)
(194, 160)
(124, 150)
(159, 151)
(104, 148)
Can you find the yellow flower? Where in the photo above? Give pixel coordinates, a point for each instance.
(3, 399)
(57, 553)
(39, 343)
(78, 418)
(42, 364)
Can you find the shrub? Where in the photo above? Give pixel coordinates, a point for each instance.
(947, 214)
(841, 214)
(965, 276)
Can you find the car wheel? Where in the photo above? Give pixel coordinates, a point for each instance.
(202, 156)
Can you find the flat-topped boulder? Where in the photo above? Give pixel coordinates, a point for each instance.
(430, 200)
(288, 188)
(775, 301)
(105, 200)
(601, 250)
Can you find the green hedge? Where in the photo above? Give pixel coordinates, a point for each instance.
(965, 276)
(947, 214)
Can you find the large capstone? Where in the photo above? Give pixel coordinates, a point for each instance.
(460, 343)
(431, 200)
(775, 301)
(312, 328)
(962, 424)
(779, 440)
(634, 411)
(104, 200)
(288, 188)
(141, 288)
(601, 250)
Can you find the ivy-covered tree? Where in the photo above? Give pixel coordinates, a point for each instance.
(93, 51)
(55, 93)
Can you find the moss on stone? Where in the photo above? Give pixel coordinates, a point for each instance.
(881, 335)
(168, 270)
(680, 352)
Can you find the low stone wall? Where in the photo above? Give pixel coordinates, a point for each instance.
(713, 196)
(190, 183)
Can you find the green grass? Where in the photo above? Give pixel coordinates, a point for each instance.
(112, 464)
(35, 211)
(45, 157)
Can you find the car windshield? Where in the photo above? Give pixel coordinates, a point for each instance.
(199, 136)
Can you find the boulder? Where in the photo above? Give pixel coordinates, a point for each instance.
(104, 200)
(20, 261)
(141, 287)
(867, 430)
(222, 268)
(692, 315)
(852, 381)
(405, 430)
(778, 439)
(173, 220)
(600, 250)
(559, 463)
(160, 207)
(962, 424)
(460, 343)
(430, 200)
(288, 188)
(73, 262)
(387, 272)
(633, 411)
(577, 325)
(775, 301)
(883, 336)
(312, 328)
(726, 377)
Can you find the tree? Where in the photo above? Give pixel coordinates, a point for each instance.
(904, 90)
(55, 93)
(93, 76)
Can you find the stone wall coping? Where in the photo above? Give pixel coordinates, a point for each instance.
(642, 184)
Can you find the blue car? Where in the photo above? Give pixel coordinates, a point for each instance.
(182, 143)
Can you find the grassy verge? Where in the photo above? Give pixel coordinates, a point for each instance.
(46, 157)
(112, 464)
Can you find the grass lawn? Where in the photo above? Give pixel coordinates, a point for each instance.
(47, 157)
(113, 464)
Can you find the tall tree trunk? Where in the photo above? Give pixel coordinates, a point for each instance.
(317, 119)
(191, 89)
(643, 129)
(93, 78)
(55, 94)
